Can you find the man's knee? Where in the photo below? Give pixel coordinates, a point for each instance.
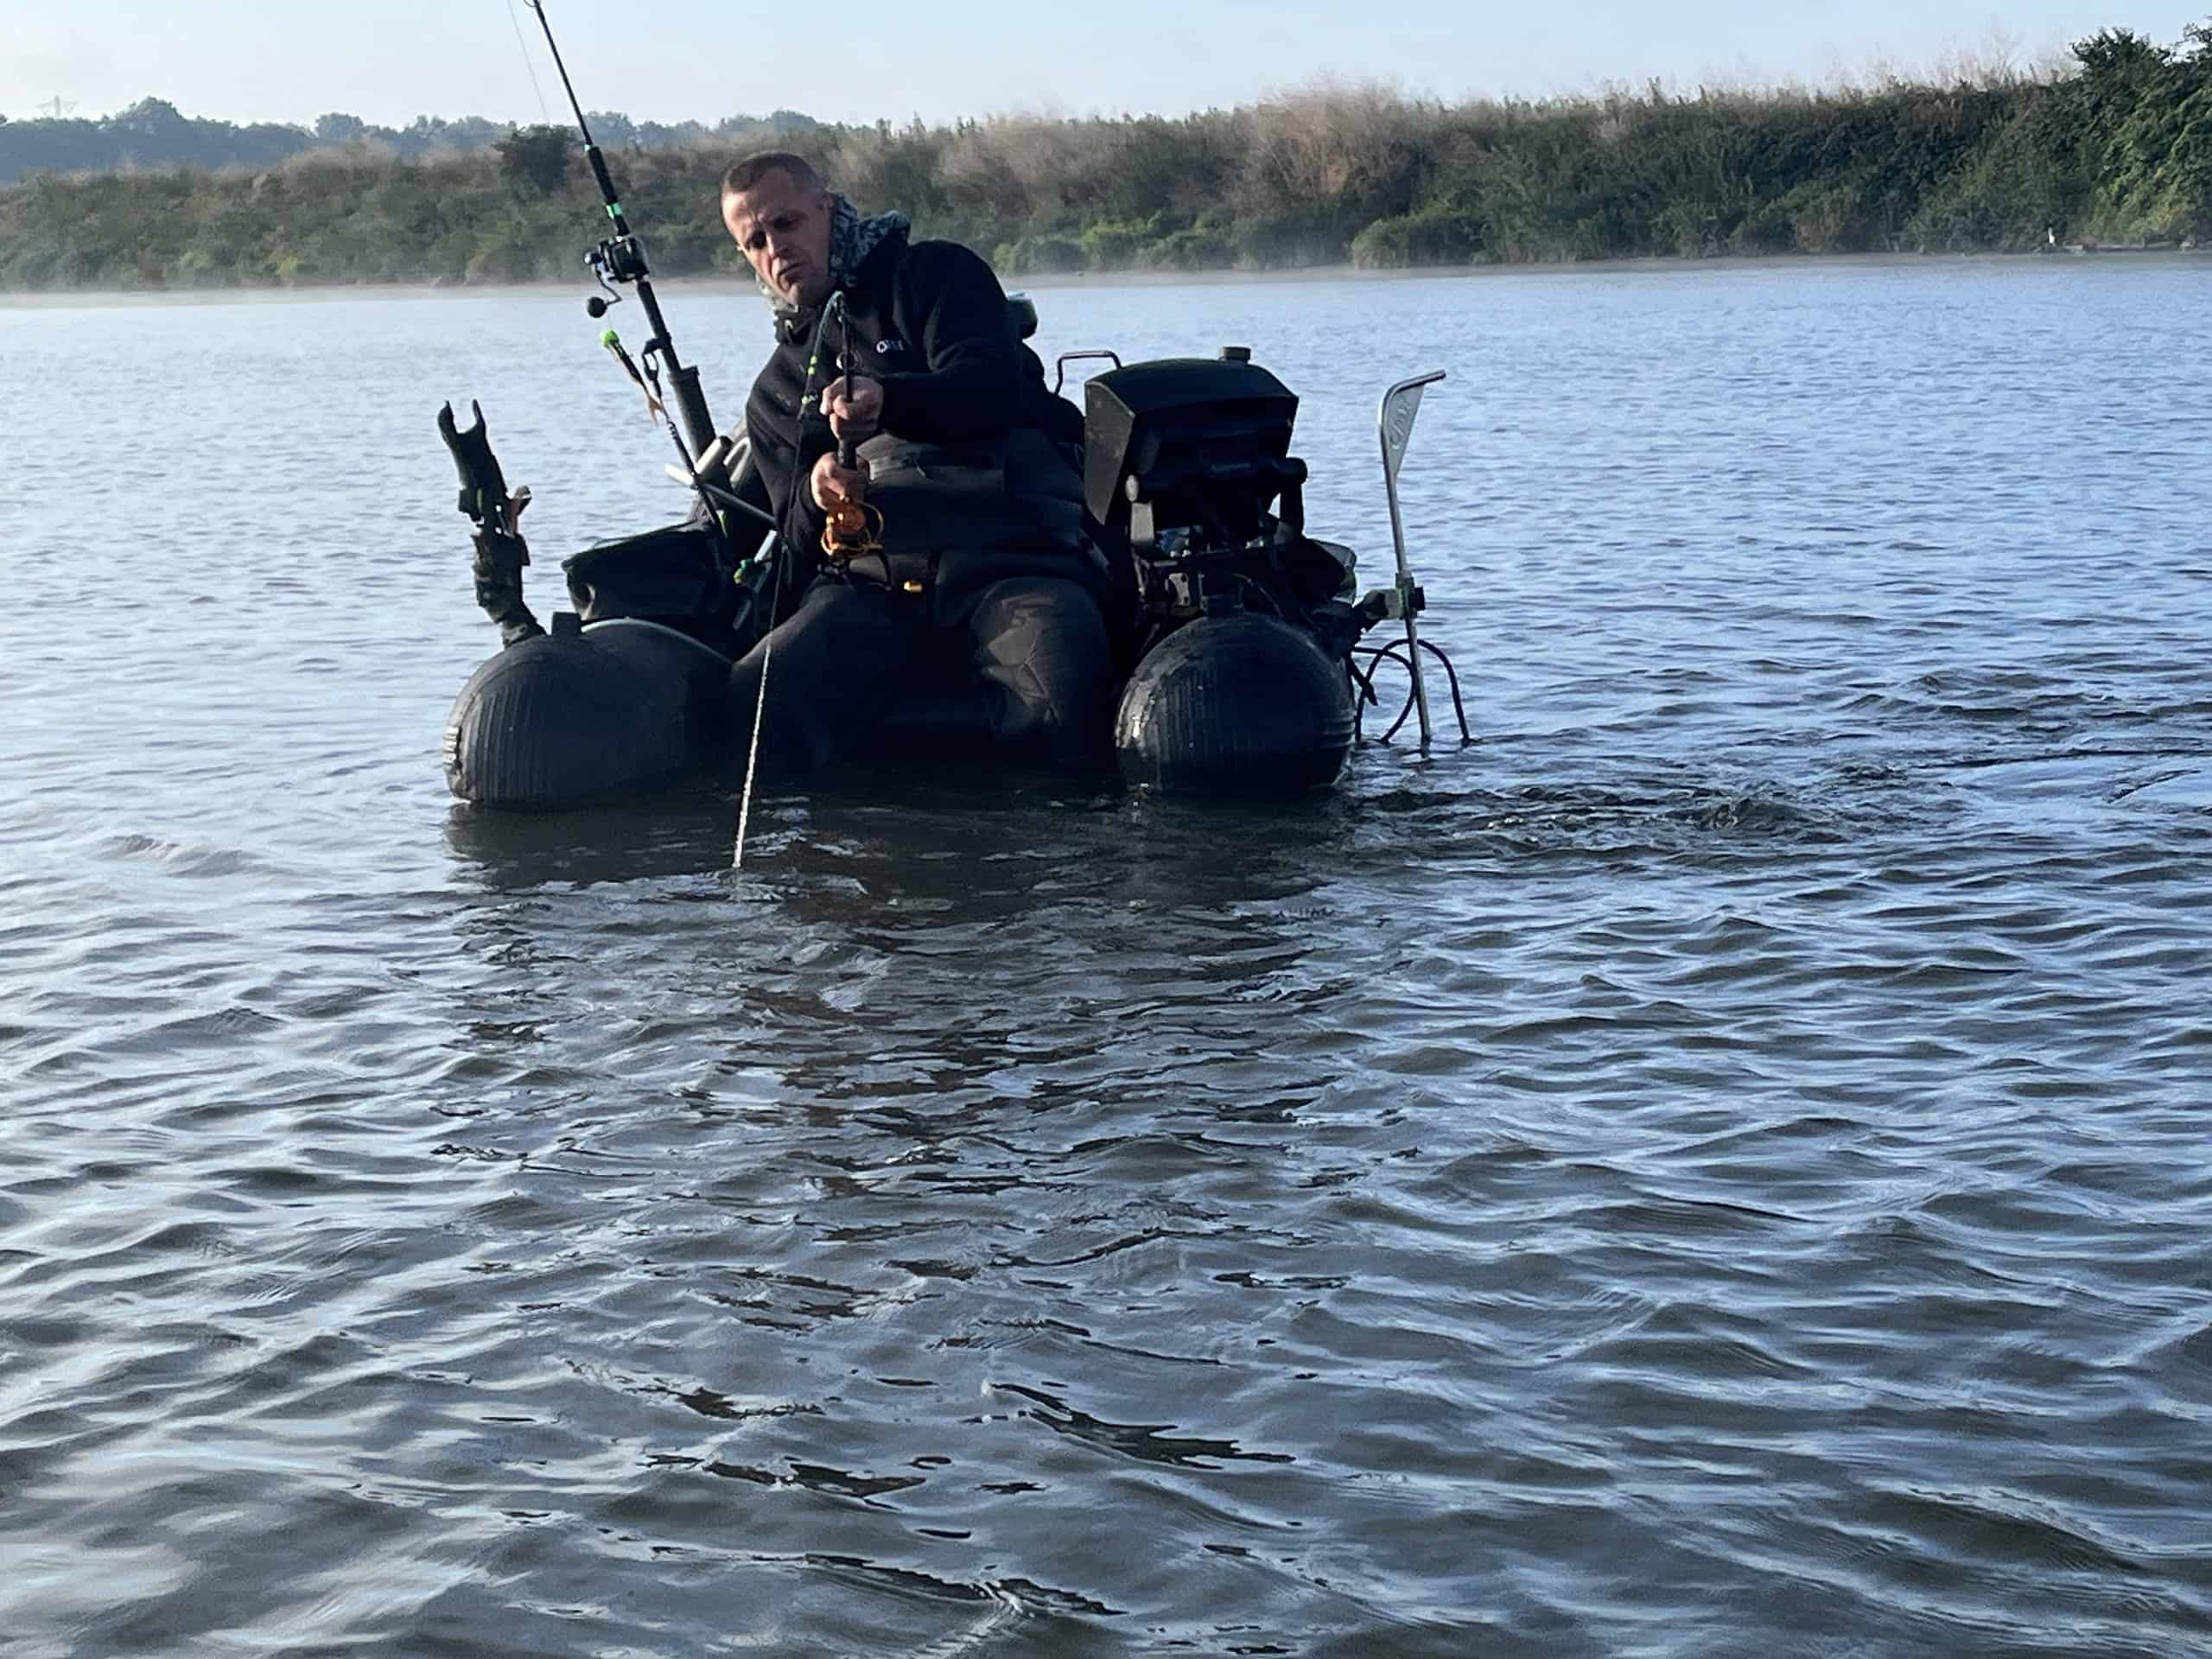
(1042, 642)
(828, 670)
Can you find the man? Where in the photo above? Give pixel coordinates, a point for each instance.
(979, 610)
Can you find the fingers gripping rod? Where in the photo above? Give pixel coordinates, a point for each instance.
(851, 527)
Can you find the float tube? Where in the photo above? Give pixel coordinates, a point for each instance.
(1244, 677)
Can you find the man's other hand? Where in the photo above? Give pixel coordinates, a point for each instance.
(832, 484)
(856, 414)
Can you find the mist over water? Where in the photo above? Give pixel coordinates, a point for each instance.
(1716, 1166)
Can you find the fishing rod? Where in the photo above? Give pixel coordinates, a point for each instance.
(850, 527)
(620, 259)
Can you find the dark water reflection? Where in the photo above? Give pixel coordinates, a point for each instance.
(1717, 1167)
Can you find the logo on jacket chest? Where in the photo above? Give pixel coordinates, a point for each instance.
(889, 347)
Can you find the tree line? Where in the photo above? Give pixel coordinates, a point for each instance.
(2115, 147)
(153, 134)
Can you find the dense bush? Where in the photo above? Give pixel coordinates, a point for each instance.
(1435, 237)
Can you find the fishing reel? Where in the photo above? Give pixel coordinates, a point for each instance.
(617, 259)
(854, 529)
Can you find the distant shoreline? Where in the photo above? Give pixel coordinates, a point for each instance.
(58, 299)
(1653, 263)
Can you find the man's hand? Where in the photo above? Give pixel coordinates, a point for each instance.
(832, 484)
(857, 414)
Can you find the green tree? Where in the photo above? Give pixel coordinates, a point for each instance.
(537, 157)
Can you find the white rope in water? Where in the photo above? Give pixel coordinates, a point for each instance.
(752, 752)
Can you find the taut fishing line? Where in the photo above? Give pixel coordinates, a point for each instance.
(522, 41)
(776, 583)
(759, 708)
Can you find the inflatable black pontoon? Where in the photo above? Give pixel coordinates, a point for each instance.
(1243, 630)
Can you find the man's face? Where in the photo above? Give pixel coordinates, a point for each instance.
(784, 233)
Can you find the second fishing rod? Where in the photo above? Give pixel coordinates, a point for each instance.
(620, 259)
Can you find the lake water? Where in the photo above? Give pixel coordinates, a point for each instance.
(1718, 1166)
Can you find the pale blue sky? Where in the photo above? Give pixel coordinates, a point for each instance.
(390, 61)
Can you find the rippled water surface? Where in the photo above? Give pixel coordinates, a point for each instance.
(1716, 1166)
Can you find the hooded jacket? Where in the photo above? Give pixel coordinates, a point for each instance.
(969, 469)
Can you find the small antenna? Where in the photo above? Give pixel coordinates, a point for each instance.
(55, 108)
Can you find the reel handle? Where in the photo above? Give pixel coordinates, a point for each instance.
(849, 530)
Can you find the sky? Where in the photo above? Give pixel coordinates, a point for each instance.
(391, 60)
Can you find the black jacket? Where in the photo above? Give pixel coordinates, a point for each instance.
(970, 471)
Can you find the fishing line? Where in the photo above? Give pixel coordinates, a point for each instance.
(522, 41)
(776, 583)
(759, 708)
